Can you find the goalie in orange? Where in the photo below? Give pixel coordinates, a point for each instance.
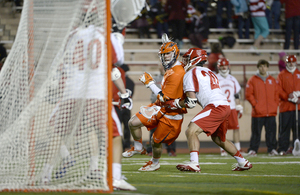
(167, 121)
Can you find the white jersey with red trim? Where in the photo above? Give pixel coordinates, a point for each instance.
(205, 84)
(229, 87)
(84, 78)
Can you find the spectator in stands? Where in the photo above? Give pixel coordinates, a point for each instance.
(241, 10)
(200, 27)
(3, 52)
(281, 61)
(201, 3)
(214, 56)
(259, 20)
(188, 20)
(289, 82)
(228, 6)
(274, 15)
(153, 2)
(292, 22)
(159, 17)
(268, 11)
(177, 11)
(262, 93)
(143, 24)
(171, 149)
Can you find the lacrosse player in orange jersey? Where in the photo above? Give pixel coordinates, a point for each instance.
(201, 86)
(167, 121)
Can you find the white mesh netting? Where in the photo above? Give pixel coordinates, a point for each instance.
(53, 106)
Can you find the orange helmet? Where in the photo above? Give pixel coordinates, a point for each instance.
(194, 56)
(291, 62)
(168, 48)
(223, 62)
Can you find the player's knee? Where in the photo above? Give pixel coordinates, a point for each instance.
(134, 123)
(193, 129)
(155, 145)
(216, 139)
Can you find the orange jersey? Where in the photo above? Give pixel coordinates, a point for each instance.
(172, 87)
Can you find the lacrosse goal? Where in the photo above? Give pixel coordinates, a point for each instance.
(53, 137)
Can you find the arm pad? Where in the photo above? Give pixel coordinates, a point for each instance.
(115, 74)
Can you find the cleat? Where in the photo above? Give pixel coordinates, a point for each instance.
(224, 153)
(189, 166)
(122, 185)
(273, 153)
(251, 153)
(289, 150)
(245, 166)
(172, 153)
(149, 166)
(282, 153)
(129, 153)
(66, 164)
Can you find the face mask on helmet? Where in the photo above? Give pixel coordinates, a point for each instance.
(168, 54)
(194, 56)
(291, 62)
(223, 67)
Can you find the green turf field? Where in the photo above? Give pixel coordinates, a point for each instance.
(269, 175)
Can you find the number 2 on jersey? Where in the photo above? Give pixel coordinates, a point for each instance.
(214, 83)
(227, 92)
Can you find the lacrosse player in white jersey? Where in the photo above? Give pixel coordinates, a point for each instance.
(202, 86)
(231, 88)
(83, 83)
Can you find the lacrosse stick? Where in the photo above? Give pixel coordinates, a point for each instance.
(125, 11)
(296, 150)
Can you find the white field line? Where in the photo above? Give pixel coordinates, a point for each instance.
(216, 174)
(214, 163)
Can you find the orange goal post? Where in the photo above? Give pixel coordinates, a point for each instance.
(54, 134)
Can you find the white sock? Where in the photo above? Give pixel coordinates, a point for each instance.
(238, 156)
(64, 151)
(137, 145)
(221, 149)
(238, 146)
(239, 159)
(94, 163)
(194, 157)
(155, 160)
(117, 169)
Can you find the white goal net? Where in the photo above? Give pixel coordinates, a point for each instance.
(53, 106)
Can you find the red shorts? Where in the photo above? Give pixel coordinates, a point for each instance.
(213, 120)
(233, 122)
(117, 126)
(168, 127)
